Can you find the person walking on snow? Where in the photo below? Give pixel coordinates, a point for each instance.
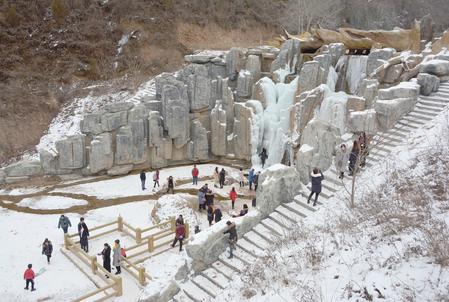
(83, 232)
(143, 178)
(106, 255)
(195, 173)
(233, 197)
(210, 214)
(222, 178)
(64, 223)
(216, 177)
(317, 178)
(117, 256)
(171, 185)
(256, 180)
(241, 178)
(217, 214)
(263, 156)
(363, 143)
(29, 276)
(210, 197)
(47, 249)
(353, 157)
(341, 160)
(251, 178)
(232, 240)
(179, 220)
(179, 236)
(156, 178)
(201, 200)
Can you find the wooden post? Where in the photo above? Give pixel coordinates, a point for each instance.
(187, 230)
(118, 286)
(173, 224)
(138, 235)
(120, 223)
(150, 244)
(93, 264)
(66, 241)
(142, 275)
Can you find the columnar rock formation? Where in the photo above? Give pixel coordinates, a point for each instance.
(231, 104)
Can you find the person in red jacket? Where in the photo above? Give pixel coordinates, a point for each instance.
(195, 173)
(179, 235)
(233, 197)
(29, 275)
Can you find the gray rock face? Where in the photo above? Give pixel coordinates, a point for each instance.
(438, 68)
(322, 138)
(24, 168)
(2, 176)
(15, 179)
(254, 66)
(426, 28)
(50, 163)
(200, 143)
(218, 130)
(120, 170)
(336, 50)
(114, 120)
(429, 83)
(123, 146)
(244, 84)
(101, 155)
(288, 56)
(198, 58)
(235, 61)
(227, 101)
(118, 107)
(169, 79)
(71, 152)
(355, 103)
(389, 112)
(242, 131)
(369, 90)
(305, 106)
(377, 57)
(304, 157)
(363, 121)
(325, 61)
(91, 123)
(170, 289)
(200, 89)
(310, 77)
(403, 90)
(176, 115)
(155, 129)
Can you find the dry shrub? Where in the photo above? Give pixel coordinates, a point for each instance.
(11, 17)
(436, 242)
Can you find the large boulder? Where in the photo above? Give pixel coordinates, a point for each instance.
(323, 138)
(438, 68)
(355, 103)
(369, 89)
(393, 73)
(120, 170)
(304, 157)
(124, 146)
(91, 123)
(155, 129)
(428, 83)
(363, 121)
(389, 112)
(113, 120)
(244, 84)
(176, 115)
(23, 168)
(378, 57)
(199, 89)
(305, 107)
(200, 143)
(253, 65)
(311, 76)
(336, 50)
(402, 90)
(242, 131)
(288, 56)
(218, 130)
(101, 155)
(71, 152)
(426, 28)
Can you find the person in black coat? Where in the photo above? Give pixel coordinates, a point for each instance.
(171, 185)
(353, 158)
(217, 214)
(232, 231)
(256, 180)
(263, 156)
(317, 178)
(83, 232)
(222, 177)
(143, 178)
(106, 255)
(47, 249)
(210, 214)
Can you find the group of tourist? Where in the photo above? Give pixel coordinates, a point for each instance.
(356, 158)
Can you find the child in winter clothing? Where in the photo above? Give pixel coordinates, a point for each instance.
(241, 178)
(29, 275)
(47, 249)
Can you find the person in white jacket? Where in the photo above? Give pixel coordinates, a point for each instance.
(341, 160)
(241, 178)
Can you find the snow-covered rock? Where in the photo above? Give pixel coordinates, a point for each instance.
(101, 156)
(71, 152)
(378, 57)
(439, 68)
(363, 121)
(23, 168)
(389, 112)
(429, 83)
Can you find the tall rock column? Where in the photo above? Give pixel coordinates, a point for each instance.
(218, 130)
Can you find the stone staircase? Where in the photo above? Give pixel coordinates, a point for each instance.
(207, 285)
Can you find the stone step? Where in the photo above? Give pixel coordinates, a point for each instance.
(398, 131)
(381, 146)
(233, 263)
(420, 117)
(257, 240)
(411, 120)
(297, 208)
(216, 277)
(274, 226)
(182, 297)
(282, 220)
(425, 108)
(304, 196)
(308, 206)
(265, 233)
(335, 175)
(194, 292)
(407, 125)
(331, 178)
(442, 92)
(223, 269)
(206, 285)
(392, 136)
(431, 104)
(435, 99)
(424, 112)
(250, 248)
(243, 256)
(293, 216)
(379, 150)
(324, 191)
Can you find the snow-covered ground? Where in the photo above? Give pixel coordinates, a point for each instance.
(391, 247)
(50, 202)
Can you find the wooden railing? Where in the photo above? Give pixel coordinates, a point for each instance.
(153, 238)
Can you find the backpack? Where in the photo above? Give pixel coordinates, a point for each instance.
(123, 252)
